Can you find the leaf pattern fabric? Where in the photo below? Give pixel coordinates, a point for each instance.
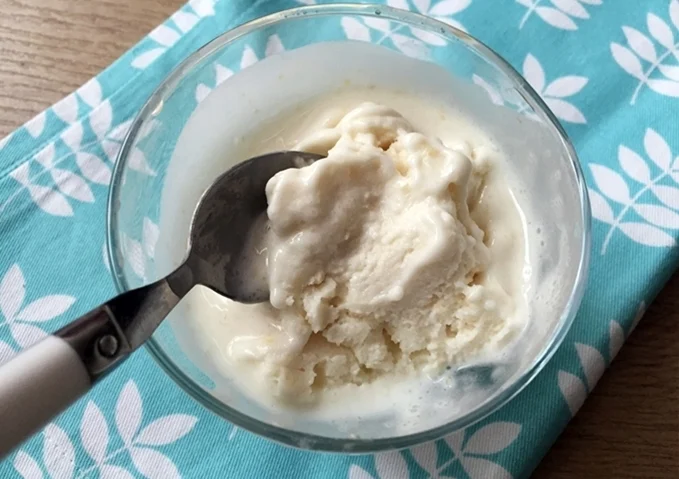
(608, 69)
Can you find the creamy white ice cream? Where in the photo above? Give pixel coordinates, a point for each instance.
(376, 266)
(236, 352)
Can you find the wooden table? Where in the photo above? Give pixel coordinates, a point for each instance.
(628, 428)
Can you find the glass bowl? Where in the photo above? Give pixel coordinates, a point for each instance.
(495, 96)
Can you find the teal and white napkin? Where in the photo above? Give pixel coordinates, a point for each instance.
(609, 71)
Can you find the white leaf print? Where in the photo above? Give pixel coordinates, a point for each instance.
(627, 60)
(425, 456)
(72, 185)
(402, 4)
(525, 3)
(610, 183)
(592, 2)
(94, 433)
(274, 45)
(565, 86)
(671, 72)
(50, 201)
(46, 308)
(674, 13)
(632, 164)
(27, 467)
(104, 257)
(120, 131)
(101, 119)
(355, 30)
(73, 136)
(571, 7)
(202, 91)
(640, 44)
(204, 8)
(222, 73)
(601, 210)
(392, 465)
(357, 472)
(646, 234)
(422, 5)
(12, 292)
(47, 199)
(146, 58)
(128, 412)
(25, 334)
(379, 24)
(668, 195)
(533, 72)
(658, 215)
(556, 18)
(455, 441)
(36, 125)
(573, 391)
(660, 31)
(114, 472)
(479, 468)
(449, 7)
(137, 161)
(153, 464)
(20, 173)
(57, 453)
(166, 430)
(6, 352)
(492, 438)
(664, 87)
(149, 236)
(46, 156)
(134, 256)
(617, 338)
(185, 21)
(493, 94)
(93, 168)
(111, 150)
(249, 57)
(90, 92)
(427, 37)
(565, 111)
(657, 149)
(592, 362)
(164, 35)
(67, 108)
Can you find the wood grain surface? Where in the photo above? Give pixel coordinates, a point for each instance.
(629, 426)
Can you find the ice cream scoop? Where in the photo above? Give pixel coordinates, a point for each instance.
(48, 377)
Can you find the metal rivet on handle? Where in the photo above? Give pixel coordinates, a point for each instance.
(108, 346)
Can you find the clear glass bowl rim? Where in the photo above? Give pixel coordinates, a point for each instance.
(352, 445)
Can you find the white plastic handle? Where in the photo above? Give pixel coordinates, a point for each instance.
(37, 385)
(45, 379)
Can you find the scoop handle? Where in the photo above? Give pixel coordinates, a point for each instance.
(46, 378)
(36, 386)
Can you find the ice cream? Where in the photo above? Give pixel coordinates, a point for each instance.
(524, 205)
(375, 264)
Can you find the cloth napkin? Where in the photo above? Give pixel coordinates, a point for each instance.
(608, 70)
